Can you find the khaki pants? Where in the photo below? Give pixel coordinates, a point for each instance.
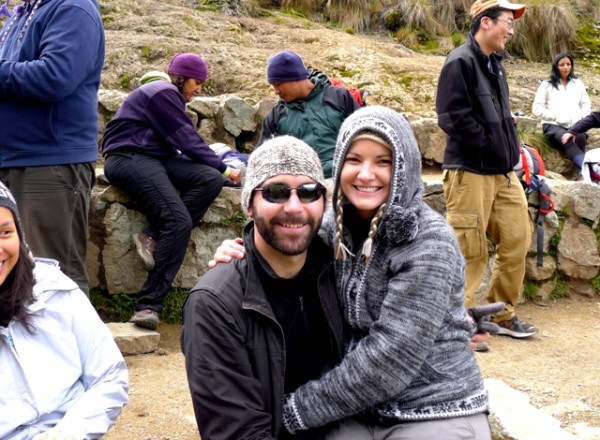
(478, 206)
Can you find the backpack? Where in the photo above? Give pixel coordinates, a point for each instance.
(360, 96)
(531, 171)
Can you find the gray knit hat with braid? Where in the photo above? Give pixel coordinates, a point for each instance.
(280, 155)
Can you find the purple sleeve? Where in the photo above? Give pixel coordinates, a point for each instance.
(166, 114)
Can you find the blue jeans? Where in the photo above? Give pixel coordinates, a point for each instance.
(174, 194)
(54, 203)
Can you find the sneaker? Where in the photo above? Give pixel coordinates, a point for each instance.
(482, 347)
(144, 244)
(145, 318)
(516, 328)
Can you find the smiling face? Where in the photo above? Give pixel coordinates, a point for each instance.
(496, 32)
(366, 175)
(286, 228)
(9, 243)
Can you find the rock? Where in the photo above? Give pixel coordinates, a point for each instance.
(132, 339)
(578, 251)
(512, 417)
(238, 116)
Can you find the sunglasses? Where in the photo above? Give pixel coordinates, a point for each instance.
(280, 193)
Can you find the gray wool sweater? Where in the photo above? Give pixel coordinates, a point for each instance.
(408, 356)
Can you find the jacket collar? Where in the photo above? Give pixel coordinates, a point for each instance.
(254, 294)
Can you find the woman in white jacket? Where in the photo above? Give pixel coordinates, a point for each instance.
(561, 101)
(62, 376)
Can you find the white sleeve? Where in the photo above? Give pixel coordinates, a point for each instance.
(104, 374)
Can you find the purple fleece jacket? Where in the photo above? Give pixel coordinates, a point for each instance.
(152, 121)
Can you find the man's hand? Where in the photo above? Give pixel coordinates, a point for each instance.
(566, 137)
(228, 250)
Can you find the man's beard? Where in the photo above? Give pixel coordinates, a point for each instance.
(284, 243)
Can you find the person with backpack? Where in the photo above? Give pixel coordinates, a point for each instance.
(310, 111)
(483, 194)
(562, 101)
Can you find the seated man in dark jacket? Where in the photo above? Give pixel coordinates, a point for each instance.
(311, 111)
(260, 327)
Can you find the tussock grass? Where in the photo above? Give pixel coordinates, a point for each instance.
(547, 28)
(352, 13)
(303, 6)
(453, 15)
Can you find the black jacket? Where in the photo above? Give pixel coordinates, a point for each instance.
(474, 111)
(234, 348)
(590, 121)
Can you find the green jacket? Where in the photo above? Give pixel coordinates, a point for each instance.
(315, 119)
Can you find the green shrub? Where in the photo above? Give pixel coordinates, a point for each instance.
(560, 290)
(120, 307)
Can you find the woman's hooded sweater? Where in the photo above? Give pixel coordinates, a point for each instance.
(408, 356)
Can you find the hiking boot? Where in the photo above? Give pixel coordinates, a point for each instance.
(482, 347)
(516, 328)
(145, 318)
(144, 244)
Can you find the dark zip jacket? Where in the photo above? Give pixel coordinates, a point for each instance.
(235, 350)
(590, 121)
(474, 111)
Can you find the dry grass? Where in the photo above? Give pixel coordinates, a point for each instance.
(547, 28)
(353, 13)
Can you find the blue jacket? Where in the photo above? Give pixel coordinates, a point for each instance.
(49, 79)
(152, 121)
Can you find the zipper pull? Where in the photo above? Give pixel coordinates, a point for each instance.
(301, 299)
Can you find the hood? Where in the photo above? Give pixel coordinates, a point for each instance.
(48, 280)
(406, 187)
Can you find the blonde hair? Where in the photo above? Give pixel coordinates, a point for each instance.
(340, 248)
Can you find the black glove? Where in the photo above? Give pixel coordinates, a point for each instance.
(481, 317)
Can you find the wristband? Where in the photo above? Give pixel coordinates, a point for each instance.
(227, 172)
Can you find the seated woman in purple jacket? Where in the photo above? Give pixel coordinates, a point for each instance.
(154, 154)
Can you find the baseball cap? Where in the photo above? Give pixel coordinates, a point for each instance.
(483, 5)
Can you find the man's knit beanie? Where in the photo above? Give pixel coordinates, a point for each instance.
(277, 156)
(8, 201)
(188, 65)
(286, 66)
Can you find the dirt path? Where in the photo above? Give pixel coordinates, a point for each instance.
(560, 366)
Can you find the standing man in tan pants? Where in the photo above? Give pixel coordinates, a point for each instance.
(483, 195)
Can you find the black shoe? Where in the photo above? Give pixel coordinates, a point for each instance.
(516, 328)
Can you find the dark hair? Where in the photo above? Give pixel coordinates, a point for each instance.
(178, 81)
(493, 13)
(16, 293)
(555, 73)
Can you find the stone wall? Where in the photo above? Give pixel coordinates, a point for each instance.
(570, 238)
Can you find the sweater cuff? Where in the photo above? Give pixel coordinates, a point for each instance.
(291, 417)
(227, 172)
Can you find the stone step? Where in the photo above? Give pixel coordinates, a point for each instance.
(132, 339)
